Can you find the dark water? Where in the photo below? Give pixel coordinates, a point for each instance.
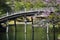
(18, 35)
(2, 36)
(39, 33)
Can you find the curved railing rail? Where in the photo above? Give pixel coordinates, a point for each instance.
(31, 10)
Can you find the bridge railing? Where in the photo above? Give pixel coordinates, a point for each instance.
(31, 10)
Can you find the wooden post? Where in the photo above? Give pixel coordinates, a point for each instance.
(7, 27)
(7, 23)
(15, 33)
(53, 27)
(15, 25)
(54, 31)
(32, 29)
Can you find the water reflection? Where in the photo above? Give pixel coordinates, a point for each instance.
(3, 36)
(39, 33)
(7, 37)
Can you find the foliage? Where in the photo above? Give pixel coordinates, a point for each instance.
(39, 5)
(58, 8)
(54, 18)
(19, 6)
(4, 7)
(28, 5)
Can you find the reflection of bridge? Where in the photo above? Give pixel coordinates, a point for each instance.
(24, 14)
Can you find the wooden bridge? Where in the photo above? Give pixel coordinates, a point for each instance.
(24, 14)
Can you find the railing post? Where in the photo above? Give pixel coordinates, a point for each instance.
(7, 30)
(53, 28)
(7, 24)
(15, 32)
(54, 31)
(15, 25)
(7, 27)
(32, 29)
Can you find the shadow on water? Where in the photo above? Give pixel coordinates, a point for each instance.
(2, 33)
(2, 29)
(39, 33)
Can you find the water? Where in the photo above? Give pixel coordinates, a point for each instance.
(2, 36)
(18, 35)
(39, 33)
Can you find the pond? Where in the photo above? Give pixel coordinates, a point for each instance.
(39, 33)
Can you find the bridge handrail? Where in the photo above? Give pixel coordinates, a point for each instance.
(41, 9)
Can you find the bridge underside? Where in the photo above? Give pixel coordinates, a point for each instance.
(2, 29)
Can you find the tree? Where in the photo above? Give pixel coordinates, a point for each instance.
(4, 7)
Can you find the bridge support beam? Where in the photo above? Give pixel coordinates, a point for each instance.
(53, 28)
(54, 31)
(7, 27)
(15, 25)
(32, 29)
(15, 29)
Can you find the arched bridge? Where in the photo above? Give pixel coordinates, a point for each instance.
(23, 13)
(18, 14)
(15, 15)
